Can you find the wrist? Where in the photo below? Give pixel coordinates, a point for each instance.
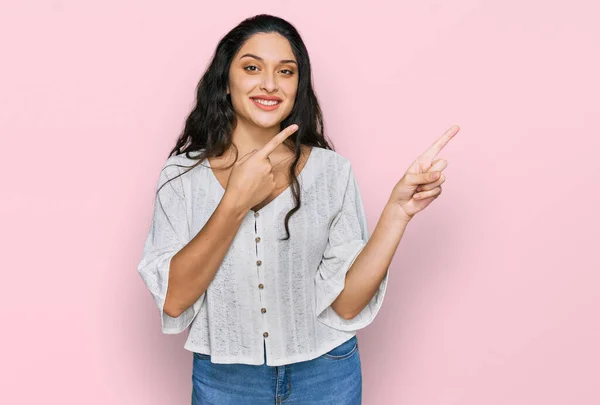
(397, 213)
(232, 205)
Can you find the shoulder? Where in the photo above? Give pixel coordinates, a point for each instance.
(182, 159)
(333, 162)
(178, 170)
(177, 164)
(334, 172)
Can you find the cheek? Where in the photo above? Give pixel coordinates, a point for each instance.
(290, 93)
(240, 85)
(292, 101)
(239, 95)
(235, 98)
(245, 83)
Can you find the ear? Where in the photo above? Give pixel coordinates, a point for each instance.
(227, 89)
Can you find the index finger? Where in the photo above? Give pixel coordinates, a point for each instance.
(277, 140)
(439, 144)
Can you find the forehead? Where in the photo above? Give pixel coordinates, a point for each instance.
(269, 46)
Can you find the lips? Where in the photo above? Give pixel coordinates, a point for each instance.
(267, 98)
(266, 103)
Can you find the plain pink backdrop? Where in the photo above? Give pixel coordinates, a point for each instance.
(494, 292)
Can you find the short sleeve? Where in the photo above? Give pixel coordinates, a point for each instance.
(169, 233)
(348, 235)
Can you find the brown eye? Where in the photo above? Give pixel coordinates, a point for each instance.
(287, 70)
(251, 66)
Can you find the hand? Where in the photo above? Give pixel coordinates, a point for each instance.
(421, 184)
(252, 179)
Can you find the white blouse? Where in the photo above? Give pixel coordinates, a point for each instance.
(267, 294)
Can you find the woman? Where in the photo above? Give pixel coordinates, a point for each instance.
(263, 251)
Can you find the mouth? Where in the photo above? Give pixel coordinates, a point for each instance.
(266, 104)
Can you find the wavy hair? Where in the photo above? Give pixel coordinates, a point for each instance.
(209, 126)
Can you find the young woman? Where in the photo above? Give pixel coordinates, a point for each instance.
(259, 242)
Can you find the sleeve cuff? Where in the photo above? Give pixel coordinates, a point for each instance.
(330, 284)
(170, 325)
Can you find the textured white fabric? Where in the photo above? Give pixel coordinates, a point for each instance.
(301, 276)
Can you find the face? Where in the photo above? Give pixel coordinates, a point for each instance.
(263, 80)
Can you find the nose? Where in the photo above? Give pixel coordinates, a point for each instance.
(269, 82)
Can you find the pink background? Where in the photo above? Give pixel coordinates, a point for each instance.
(494, 292)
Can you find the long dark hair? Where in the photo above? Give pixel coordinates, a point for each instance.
(209, 126)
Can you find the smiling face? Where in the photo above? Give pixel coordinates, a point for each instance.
(263, 80)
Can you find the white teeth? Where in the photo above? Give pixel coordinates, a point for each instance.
(266, 102)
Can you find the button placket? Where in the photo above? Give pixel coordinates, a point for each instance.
(258, 229)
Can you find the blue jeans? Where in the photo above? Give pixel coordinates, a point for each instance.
(331, 379)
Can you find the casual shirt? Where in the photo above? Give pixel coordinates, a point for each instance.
(268, 294)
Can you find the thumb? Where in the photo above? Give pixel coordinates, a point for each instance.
(430, 177)
(416, 179)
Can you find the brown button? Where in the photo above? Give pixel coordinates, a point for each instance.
(256, 214)
(263, 310)
(259, 262)
(257, 239)
(266, 334)
(261, 286)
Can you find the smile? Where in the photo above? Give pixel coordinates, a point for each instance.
(267, 105)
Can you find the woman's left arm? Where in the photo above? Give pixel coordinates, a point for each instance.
(419, 187)
(371, 264)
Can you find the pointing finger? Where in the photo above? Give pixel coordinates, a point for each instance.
(439, 144)
(277, 140)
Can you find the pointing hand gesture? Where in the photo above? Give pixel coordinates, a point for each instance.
(421, 184)
(252, 179)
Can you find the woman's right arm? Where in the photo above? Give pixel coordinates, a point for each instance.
(196, 264)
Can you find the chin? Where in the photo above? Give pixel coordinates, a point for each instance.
(266, 124)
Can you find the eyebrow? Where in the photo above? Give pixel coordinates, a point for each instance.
(261, 59)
